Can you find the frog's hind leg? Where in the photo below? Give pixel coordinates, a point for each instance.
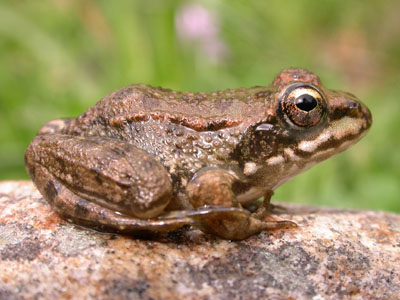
(87, 179)
(81, 211)
(211, 189)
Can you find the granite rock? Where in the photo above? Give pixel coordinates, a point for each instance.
(333, 254)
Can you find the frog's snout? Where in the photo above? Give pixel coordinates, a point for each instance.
(346, 105)
(358, 110)
(367, 115)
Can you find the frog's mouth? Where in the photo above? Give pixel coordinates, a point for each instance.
(340, 135)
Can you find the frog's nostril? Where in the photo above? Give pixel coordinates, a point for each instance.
(354, 105)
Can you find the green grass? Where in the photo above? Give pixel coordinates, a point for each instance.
(59, 57)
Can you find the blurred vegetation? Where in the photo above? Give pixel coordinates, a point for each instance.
(58, 57)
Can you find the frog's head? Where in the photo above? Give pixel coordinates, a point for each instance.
(305, 124)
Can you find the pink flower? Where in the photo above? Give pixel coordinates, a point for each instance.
(196, 25)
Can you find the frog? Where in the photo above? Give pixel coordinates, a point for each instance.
(152, 160)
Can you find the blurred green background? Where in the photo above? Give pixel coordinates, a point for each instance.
(58, 57)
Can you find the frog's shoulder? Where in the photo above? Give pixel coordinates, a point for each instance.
(198, 111)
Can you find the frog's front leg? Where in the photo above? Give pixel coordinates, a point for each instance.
(213, 187)
(266, 208)
(101, 182)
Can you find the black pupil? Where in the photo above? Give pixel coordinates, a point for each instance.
(306, 102)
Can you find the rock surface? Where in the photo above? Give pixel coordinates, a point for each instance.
(334, 254)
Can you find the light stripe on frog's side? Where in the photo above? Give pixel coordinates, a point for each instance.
(334, 134)
(334, 139)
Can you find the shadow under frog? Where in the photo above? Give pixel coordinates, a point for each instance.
(147, 159)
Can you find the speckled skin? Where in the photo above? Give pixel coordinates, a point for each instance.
(143, 152)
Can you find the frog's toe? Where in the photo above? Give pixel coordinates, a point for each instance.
(279, 224)
(267, 210)
(277, 208)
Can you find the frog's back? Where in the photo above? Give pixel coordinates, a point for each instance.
(198, 111)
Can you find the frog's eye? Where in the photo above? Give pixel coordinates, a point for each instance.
(303, 105)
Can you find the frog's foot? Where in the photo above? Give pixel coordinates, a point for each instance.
(233, 223)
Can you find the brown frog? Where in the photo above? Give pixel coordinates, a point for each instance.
(147, 159)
